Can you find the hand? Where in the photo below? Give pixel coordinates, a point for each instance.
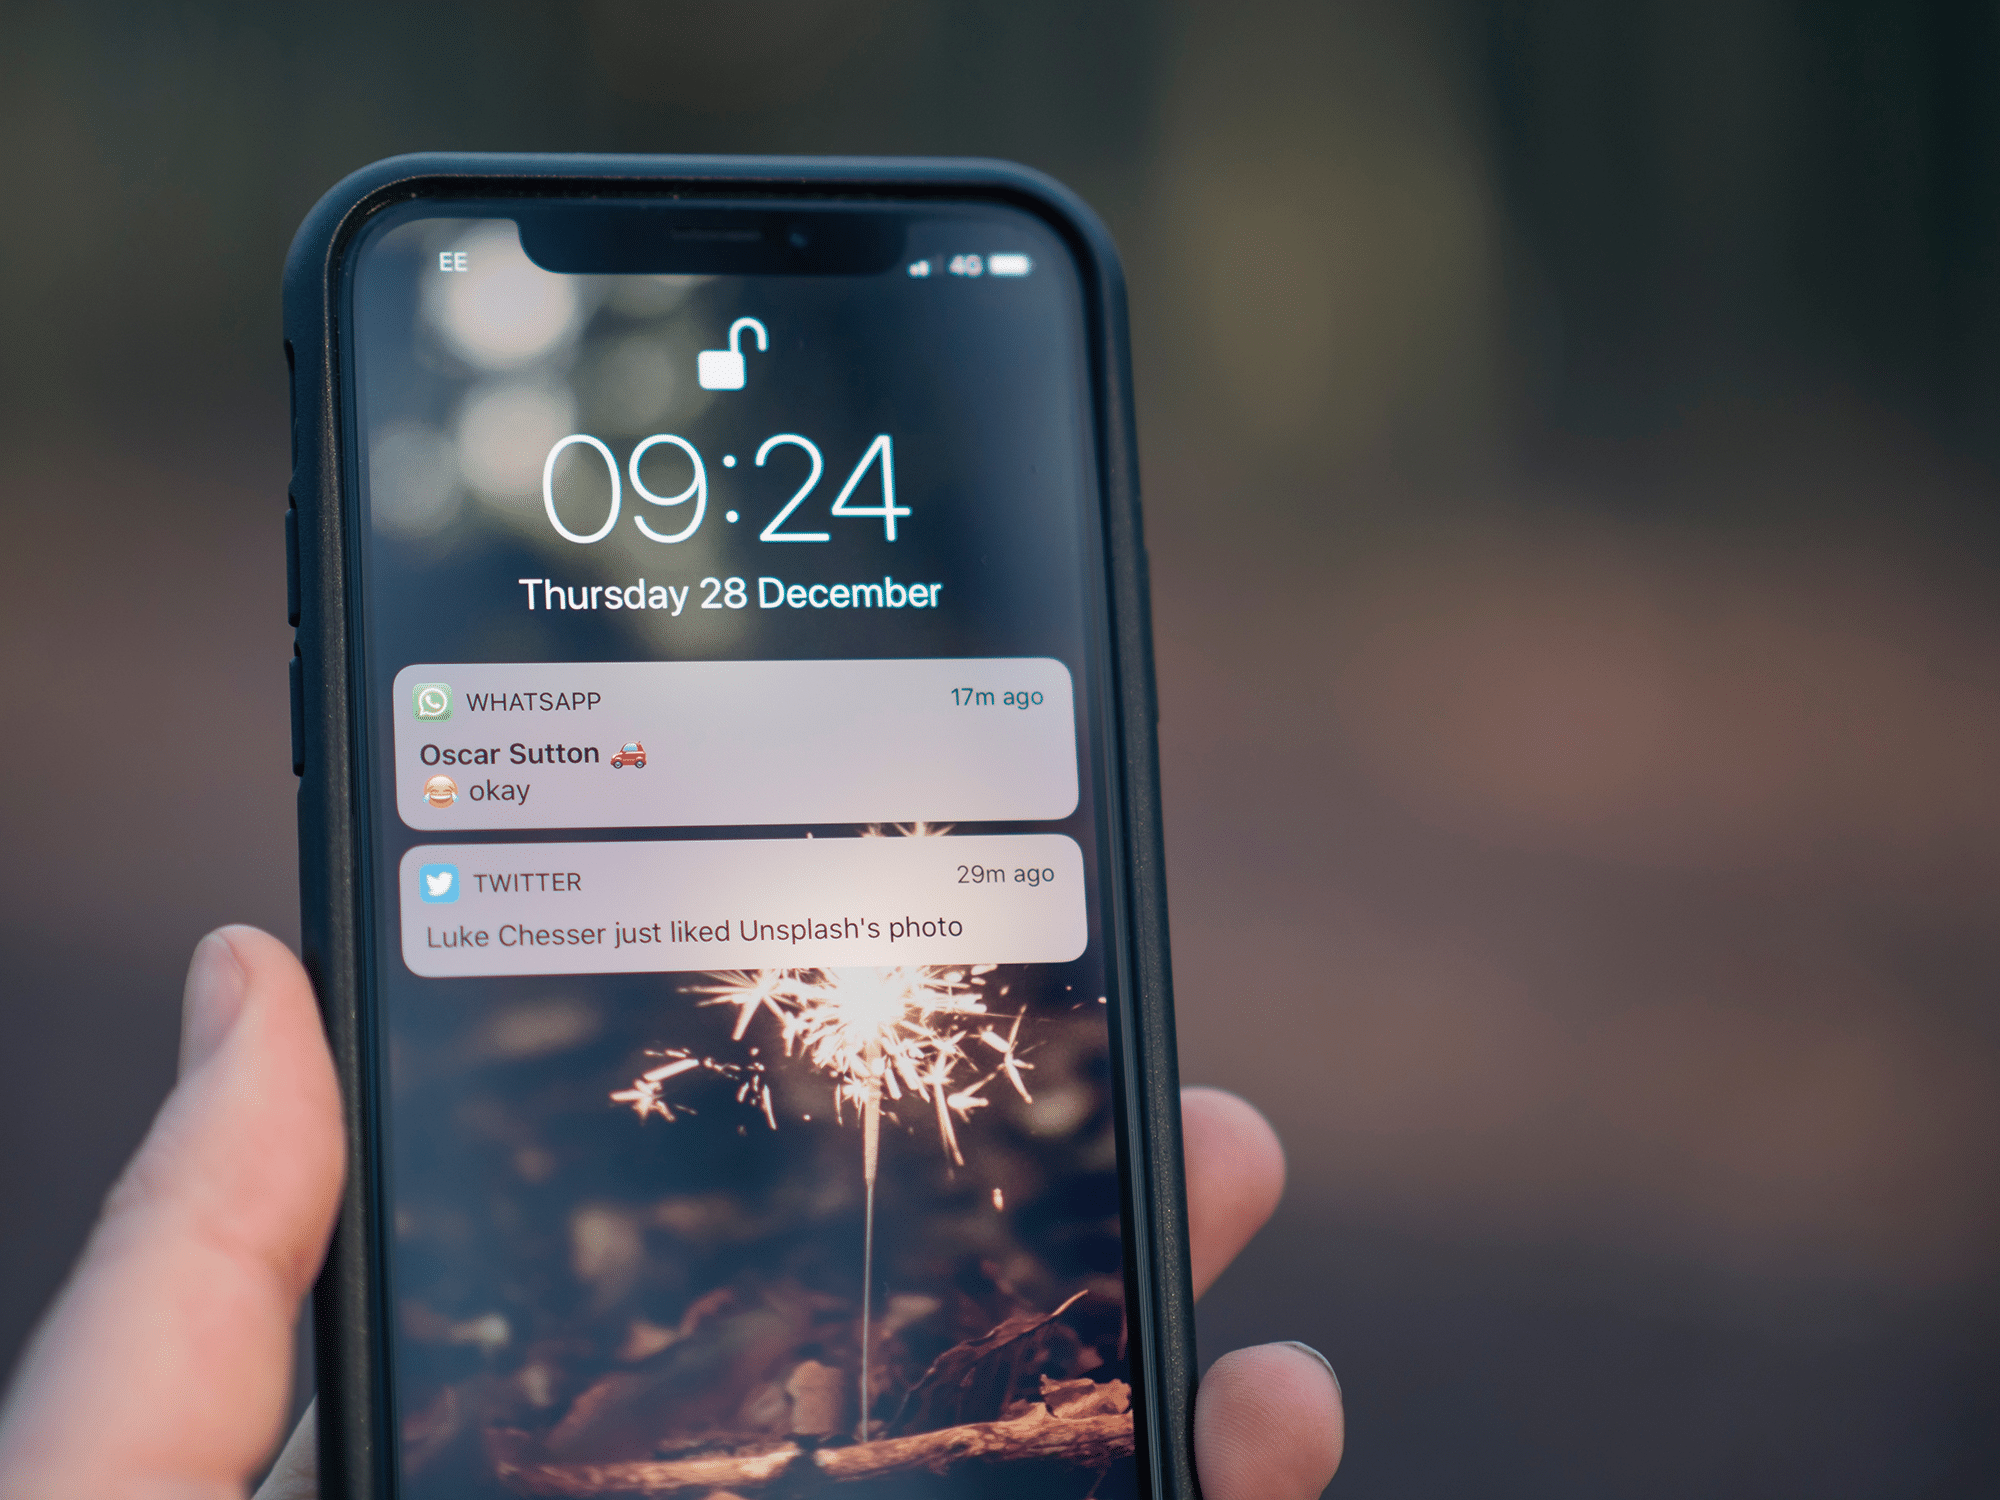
(160, 1372)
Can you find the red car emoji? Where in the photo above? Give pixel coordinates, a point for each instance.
(632, 755)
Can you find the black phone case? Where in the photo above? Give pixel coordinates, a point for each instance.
(348, 1316)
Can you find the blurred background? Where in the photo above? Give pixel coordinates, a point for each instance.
(1570, 445)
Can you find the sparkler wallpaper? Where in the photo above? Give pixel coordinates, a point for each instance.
(733, 1231)
(676, 1273)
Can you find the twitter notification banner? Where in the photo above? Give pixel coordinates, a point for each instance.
(640, 907)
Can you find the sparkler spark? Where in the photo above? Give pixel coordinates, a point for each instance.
(644, 1095)
(878, 1034)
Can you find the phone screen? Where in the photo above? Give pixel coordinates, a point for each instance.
(733, 676)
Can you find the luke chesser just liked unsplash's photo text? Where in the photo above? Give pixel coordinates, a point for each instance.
(731, 593)
(682, 933)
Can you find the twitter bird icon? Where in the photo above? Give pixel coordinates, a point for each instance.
(438, 882)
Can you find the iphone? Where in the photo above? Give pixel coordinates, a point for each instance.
(730, 835)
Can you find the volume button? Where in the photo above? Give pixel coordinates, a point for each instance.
(292, 385)
(298, 714)
(291, 564)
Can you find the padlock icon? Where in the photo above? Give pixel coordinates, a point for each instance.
(722, 369)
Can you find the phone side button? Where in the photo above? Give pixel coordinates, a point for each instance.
(298, 714)
(291, 563)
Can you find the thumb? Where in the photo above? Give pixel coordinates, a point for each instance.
(161, 1370)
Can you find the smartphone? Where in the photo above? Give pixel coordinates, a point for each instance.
(729, 831)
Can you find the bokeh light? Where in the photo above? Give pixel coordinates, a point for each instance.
(503, 311)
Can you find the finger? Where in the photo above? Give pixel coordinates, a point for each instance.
(1268, 1425)
(1235, 1176)
(162, 1367)
(295, 1476)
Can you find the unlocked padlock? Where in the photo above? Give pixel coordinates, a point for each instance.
(722, 369)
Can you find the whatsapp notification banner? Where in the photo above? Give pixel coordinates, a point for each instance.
(734, 743)
(673, 906)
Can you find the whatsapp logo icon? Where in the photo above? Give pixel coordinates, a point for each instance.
(432, 700)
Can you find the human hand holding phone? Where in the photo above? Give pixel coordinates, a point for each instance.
(161, 1369)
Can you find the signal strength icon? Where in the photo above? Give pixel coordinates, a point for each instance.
(920, 268)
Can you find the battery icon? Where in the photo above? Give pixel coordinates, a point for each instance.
(1008, 264)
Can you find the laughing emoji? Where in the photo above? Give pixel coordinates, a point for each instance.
(440, 791)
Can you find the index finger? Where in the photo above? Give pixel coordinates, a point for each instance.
(1235, 1176)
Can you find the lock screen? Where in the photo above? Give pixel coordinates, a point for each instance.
(733, 676)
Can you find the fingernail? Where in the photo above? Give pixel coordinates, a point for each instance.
(211, 1000)
(1308, 1349)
